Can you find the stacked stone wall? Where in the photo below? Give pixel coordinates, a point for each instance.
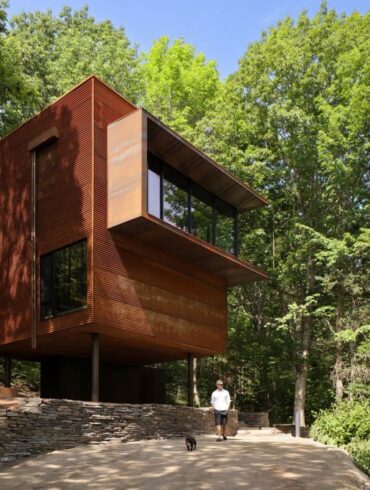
(33, 425)
(255, 419)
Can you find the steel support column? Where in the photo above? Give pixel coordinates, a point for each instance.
(95, 367)
(7, 372)
(190, 379)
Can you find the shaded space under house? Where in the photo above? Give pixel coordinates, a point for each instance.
(118, 241)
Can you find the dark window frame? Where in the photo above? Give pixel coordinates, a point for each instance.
(50, 256)
(160, 165)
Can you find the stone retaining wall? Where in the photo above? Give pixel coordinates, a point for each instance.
(36, 425)
(255, 419)
(290, 429)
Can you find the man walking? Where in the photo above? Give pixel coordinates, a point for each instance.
(220, 401)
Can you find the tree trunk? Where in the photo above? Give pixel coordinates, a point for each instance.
(195, 383)
(338, 372)
(303, 345)
(302, 370)
(300, 392)
(352, 374)
(338, 369)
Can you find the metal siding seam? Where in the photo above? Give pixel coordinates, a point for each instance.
(34, 253)
(92, 271)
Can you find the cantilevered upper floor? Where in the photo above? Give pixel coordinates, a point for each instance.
(170, 195)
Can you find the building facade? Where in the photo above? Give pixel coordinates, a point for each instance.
(118, 241)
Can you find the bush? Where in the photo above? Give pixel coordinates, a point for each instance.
(346, 422)
(346, 425)
(360, 452)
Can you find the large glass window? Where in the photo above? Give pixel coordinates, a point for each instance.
(201, 213)
(175, 198)
(63, 280)
(225, 225)
(188, 206)
(154, 188)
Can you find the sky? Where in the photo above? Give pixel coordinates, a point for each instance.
(221, 29)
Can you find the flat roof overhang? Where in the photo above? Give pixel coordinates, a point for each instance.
(182, 245)
(188, 160)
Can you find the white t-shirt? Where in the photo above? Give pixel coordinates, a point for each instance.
(220, 399)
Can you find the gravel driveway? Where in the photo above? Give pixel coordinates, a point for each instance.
(253, 460)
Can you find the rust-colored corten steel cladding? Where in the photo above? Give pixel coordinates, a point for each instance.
(64, 207)
(154, 292)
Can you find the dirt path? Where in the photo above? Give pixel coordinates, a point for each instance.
(252, 460)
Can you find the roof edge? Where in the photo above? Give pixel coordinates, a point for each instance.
(262, 200)
(75, 87)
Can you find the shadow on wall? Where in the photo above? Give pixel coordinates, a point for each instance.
(63, 206)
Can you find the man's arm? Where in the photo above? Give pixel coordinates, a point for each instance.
(213, 401)
(228, 400)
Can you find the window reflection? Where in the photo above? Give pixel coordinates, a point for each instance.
(175, 198)
(63, 280)
(224, 226)
(188, 206)
(201, 213)
(154, 192)
(154, 187)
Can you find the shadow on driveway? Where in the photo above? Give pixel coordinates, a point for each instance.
(249, 461)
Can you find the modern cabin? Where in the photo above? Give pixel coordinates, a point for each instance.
(118, 242)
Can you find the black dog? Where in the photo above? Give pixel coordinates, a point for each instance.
(191, 443)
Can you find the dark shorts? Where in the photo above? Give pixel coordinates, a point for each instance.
(220, 417)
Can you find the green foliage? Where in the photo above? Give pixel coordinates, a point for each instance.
(360, 452)
(286, 121)
(175, 379)
(179, 85)
(55, 53)
(25, 375)
(347, 421)
(83, 46)
(350, 335)
(16, 88)
(346, 425)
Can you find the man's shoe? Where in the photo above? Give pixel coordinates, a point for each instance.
(225, 438)
(219, 438)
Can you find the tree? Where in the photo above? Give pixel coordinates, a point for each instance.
(179, 85)
(346, 268)
(293, 121)
(15, 87)
(56, 53)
